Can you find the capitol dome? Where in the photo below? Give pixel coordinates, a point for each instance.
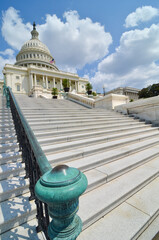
(36, 53)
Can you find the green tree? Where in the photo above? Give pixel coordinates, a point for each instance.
(150, 91)
(88, 87)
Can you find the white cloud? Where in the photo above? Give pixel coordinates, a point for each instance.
(139, 77)
(14, 31)
(73, 42)
(8, 52)
(10, 60)
(134, 63)
(142, 14)
(137, 47)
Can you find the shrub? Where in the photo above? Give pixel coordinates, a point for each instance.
(55, 91)
(65, 83)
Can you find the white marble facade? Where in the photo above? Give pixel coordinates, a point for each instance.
(36, 67)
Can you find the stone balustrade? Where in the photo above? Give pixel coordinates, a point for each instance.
(82, 99)
(107, 102)
(145, 109)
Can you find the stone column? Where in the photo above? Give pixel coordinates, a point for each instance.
(76, 86)
(31, 81)
(35, 79)
(70, 85)
(61, 87)
(46, 82)
(44, 85)
(53, 82)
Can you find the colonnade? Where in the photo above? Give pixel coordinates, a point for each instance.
(46, 80)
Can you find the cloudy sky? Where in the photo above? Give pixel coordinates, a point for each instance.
(113, 43)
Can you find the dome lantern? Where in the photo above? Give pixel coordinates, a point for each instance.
(34, 33)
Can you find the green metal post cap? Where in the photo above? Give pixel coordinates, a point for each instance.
(61, 176)
(61, 184)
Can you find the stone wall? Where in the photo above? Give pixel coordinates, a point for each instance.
(146, 109)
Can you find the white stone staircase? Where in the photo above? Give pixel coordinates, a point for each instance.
(119, 155)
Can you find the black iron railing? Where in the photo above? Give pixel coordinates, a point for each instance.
(36, 163)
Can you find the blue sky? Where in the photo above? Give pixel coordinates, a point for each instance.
(113, 43)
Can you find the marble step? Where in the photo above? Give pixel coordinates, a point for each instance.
(80, 122)
(119, 167)
(98, 202)
(5, 120)
(99, 159)
(136, 218)
(13, 187)
(15, 212)
(17, 185)
(62, 121)
(109, 134)
(49, 109)
(77, 117)
(39, 109)
(51, 112)
(10, 157)
(11, 169)
(9, 147)
(4, 116)
(7, 130)
(69, 114)
(5, 111)
(94, 178)
(5, 127)
(26, 231)
(93, 139)
(151, 231)
(86, 147)
(6, 138)
(52, 127)
(117, 128)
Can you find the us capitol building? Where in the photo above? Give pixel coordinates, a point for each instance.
(35, 72)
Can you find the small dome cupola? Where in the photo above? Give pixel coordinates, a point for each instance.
(34, 33)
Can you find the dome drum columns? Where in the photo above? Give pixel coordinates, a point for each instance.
(60, 188)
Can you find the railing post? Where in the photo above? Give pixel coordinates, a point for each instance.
(60, 189)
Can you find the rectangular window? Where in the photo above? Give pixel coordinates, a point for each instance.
(48, 81)
(17, 77)
(18, 88)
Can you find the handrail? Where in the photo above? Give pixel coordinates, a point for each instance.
(43, 162)
(36, 163)
(57, 198)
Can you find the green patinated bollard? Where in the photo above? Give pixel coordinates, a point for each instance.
(60, 188)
